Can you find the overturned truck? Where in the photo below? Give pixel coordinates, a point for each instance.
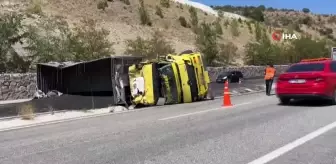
(125, 80)
(176, 79)
(85, 85)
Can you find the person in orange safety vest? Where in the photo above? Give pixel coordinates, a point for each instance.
(269, 76)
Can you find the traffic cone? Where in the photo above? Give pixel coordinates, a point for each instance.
(226, 96)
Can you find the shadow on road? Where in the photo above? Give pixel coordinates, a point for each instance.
(308, 103)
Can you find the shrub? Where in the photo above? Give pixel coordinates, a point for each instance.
(226, 23)
(218, 28)
(239, 20)
(332, 19)
(249, 27)
(258, 32)
(220, 14)
(165, 3)
(307, 21)
(193, 17)
(181, 6)
(183, 21)
(89, 43)
(227, 53)
(102, 5)
(10, 33)
(127, 2)
(206, 42)
(35, 7)
(158, 11)
(26, 111)
(305, 10)
(327, 31)
(234, 28)
(297, 27)
(55, 41)
(151, 48)
(144, 16)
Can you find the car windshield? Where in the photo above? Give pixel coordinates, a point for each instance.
(307, 67)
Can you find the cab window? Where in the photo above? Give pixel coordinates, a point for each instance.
(310, 67)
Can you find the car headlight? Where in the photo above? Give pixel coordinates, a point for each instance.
(224, 78)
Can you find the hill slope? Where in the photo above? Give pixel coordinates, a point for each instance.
(121, 19)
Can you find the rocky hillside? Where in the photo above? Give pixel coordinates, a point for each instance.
(121, 18)
(317, 25)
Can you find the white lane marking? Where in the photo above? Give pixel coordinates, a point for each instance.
(203, 111)
(54, 122)
(278, 152)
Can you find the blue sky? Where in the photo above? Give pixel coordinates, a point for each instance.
(315, 6)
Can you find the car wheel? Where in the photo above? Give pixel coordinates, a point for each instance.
(285, 101)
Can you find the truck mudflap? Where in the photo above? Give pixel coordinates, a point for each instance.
(170, 84)
(144, 84)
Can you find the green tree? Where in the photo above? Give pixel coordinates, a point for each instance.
(35, 7)
(10, 33)
(307, 20)
(144, 16)
(305, 10)
(262, 7)
(165, 3)
(240, 20)
(305, 47)
(88, 43)
(220, 14)
(218, 27)
(138, 47)
(227, 53)
(194, 18)
(206, 42)
(48, 41)
(258, 15)
(249, 27)
(53, 40)
(258, 32)
(263, 52)
(127, 2)
(183, 21)
(151, 48)
(102, 5)
(234, 28)
(226, 23)
(158, 11)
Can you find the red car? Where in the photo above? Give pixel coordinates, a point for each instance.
(309, 79)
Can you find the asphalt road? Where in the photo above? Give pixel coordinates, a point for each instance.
(198, 133)
(82, 102)
(217, 88)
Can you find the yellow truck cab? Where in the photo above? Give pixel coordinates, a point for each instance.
(150, 81)
(179, 79)
(144, 83)
(202, 76)
(197, 77)
(171, 84)
(187, 77)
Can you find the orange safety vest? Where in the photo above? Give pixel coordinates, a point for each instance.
(270, 72)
